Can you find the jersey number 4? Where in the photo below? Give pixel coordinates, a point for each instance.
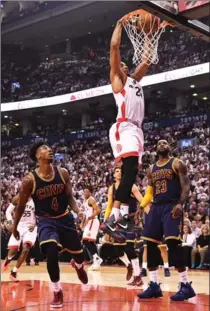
(55, 205)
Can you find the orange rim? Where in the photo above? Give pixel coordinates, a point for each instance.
(128, 16)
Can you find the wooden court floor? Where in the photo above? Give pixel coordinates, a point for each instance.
(106, 291)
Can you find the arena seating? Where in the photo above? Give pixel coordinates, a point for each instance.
(88, 66)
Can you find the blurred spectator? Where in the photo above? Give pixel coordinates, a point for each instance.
(189, 243)
(203, 243)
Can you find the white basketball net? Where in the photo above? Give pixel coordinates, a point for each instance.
(145, 43)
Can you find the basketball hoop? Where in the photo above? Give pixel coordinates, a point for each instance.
(144, 31)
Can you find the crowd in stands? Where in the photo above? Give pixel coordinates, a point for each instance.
(88, 65)
(91, 162)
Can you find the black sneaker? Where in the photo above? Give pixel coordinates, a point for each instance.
(167, 272)
(123, 222)
(28, 264)
(153, 291)
(184, 293)
(143, 272)
(13, 277)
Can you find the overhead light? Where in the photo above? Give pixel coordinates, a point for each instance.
(64, 110)
(195, 94)
(67, 39)
(89, 33)
(16, 124)
(205, 98)
(192, 86)
(46, 46)
(6, 117)
(171, 30)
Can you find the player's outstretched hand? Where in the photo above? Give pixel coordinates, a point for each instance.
(177, 211)
(16, 233)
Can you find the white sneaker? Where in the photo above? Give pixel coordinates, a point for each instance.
(96, 264)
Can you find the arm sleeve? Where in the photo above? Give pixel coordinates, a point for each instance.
(9, 211)
(108, 210)
(147, 197)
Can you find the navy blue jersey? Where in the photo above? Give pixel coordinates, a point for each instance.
(132, 201)
(49, 196)
(166, 183)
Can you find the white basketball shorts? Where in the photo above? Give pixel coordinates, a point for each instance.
(91, 230)
(126, 140)
(25, 236)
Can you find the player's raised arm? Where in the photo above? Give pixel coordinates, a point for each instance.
(115, 59)
(96, 208)
(24, 194)
(68, 188)
(142, 68)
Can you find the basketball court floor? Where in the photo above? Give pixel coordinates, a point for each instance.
(106, 291)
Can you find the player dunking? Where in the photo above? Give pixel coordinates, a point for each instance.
(168, 186)
(126, 136)
(91, 227)
(51, 191)
(126, 251)
(28, 233)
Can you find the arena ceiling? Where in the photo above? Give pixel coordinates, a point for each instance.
(80, 19)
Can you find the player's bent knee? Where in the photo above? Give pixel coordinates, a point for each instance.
(153, 254)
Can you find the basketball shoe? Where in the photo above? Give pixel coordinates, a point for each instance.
(153, 291)
(137, 281)
(129, 272)
(5, 264)
(13, 276)
(81, 273)
(57, 300)
(96, 264)
(167, 272)
(184, 293)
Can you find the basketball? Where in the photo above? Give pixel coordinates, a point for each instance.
(148, 23)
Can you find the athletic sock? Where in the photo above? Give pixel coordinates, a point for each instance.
(153, 276)
(125, 259)
(124, 210)
(115, 212)
(56, 286)
(183, 277)
(78, 265)
(14, 269)
(135, 265)
(144, 265)
(166, 266)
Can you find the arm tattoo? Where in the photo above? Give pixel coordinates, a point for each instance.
(184, 180)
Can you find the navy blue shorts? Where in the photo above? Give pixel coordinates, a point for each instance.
(62, 231)
(159, 223)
